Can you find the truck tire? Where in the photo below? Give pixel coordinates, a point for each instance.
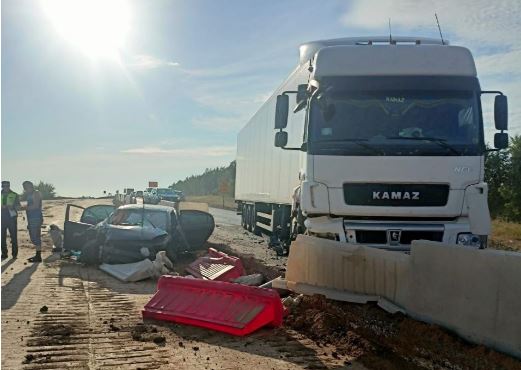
(243, 216)
(255, 228)
(249, 219)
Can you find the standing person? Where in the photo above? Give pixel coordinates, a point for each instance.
(34, 218)
(10, 206)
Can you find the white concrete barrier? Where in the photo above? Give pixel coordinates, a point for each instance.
(196, 206)
(475, 293)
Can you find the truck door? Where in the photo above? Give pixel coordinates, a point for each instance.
(78, 219)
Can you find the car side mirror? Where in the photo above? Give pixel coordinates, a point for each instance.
(501, 112)
(501, 140)
(281, 139)
(281, 112)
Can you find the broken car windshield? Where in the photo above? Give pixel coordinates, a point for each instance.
(138, 217)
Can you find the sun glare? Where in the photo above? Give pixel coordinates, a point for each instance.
(97, 27)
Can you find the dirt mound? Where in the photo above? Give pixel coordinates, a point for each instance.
(384, 341)
(51, 334)
(147, 333)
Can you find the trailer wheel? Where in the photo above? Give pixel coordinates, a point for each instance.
(243, 216)
(255, 228)
(249, 219)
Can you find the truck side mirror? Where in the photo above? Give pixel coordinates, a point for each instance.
(281, 139)
(501, 113)
(281, 112)
(302, 93)
(302, 98)
(501, 140)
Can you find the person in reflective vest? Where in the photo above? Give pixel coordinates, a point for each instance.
(10, 207)
(34, 218)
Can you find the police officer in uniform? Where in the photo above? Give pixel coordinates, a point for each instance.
(10, 206)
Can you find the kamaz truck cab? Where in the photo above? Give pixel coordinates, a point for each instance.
(392, 147)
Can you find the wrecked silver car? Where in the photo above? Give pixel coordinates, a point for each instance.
(133, 232)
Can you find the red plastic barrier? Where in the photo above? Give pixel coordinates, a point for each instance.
(216, 266)
(228, 307)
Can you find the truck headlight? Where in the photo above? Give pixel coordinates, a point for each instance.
(471, 240)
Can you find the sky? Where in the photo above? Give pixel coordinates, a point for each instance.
(105, 95)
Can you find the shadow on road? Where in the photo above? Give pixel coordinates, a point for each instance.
(7, 264)
(16, 285)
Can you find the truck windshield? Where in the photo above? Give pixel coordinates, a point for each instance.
(395, 123)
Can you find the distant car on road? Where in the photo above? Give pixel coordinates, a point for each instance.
(150, 196)
(168, 194)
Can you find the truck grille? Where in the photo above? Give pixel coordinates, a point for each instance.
(396, 195)
(391, 234)
(371, 237)
(406, 238)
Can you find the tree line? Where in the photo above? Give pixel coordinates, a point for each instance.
(219, 180)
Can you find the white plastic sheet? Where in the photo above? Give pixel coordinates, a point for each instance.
(130, 272)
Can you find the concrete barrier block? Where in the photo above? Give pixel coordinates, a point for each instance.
(475, 293)
(344, 268)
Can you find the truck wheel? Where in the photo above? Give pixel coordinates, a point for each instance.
(255, 228)
(249, 220)
(243, 217)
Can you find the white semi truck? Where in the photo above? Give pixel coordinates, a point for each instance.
(374, 141)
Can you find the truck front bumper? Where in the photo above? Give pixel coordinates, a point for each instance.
(392, 235)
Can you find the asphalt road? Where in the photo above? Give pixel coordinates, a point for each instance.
(225, 217)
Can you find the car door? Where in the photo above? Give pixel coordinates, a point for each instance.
(197, 227)
(78, 219)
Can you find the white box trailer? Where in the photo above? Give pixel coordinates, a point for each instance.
(266, 173)
(383, 144)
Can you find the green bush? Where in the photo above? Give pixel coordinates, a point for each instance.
(503, 175)
(47, 190)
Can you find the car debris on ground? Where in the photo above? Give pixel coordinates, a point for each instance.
(251, 280)
(131, 272)
(56, 235)
(217, 305)
(138, 242)
(216, 265)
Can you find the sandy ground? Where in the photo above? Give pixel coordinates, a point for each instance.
(61, 315)
(91, 320)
